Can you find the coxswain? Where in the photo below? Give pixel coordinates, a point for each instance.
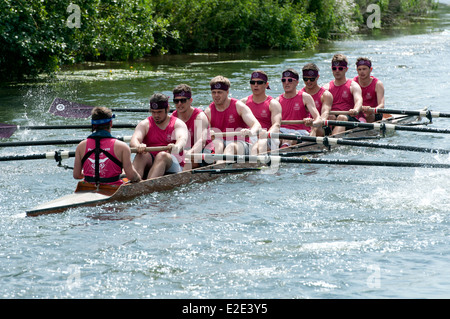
(101, 159)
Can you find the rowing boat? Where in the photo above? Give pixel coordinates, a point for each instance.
(87, 194)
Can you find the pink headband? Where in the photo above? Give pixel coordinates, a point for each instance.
(364, 62)
(219, 86)
(183, 94)
(310, 73)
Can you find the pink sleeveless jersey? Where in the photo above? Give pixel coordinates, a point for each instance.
(191, 129)
(107, 167)
(317, 99)
(368, 93)
(293, 109)
(342, 96)
(228, 120)
(158, 137)
(261, 111)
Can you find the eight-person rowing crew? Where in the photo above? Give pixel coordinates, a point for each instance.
(228, 125)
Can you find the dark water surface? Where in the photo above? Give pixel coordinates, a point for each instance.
(304, 232)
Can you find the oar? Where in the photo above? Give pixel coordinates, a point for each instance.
(226, 170)
(277, 159)
(64, 108)
(425, 113)
(328, 141)
(6, 130)
(386, 127)
(52, 142)
(58, 155)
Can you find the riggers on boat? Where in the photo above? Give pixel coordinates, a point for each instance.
(87, 194)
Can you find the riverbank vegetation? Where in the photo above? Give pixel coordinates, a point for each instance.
(41, 36)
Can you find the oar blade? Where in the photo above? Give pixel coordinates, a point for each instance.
(6, 130)
(64, 108)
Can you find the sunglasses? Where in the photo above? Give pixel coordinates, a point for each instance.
(309, 79)
(334, 68)
(175, 101)
(257, 82)
(289, 80)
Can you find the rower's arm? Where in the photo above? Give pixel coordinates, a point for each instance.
(248, 117)
(201, 129)
(275, 110)
(327, 102)
(357, 96)
(139, 133)
(379, 90)
(181, 136)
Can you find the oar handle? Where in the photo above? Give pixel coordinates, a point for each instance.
(422, 113)
(286, 122)
(226, 134)
(152, 149)
(340, 112)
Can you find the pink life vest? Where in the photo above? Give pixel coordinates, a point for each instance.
(261, 111)
(369, 94)
(293, 109)
(158, 137)
(191, 129)
(228, 120)
(109, 169)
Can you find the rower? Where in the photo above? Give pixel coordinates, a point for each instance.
(227, 114)
(346, 94)
(322, 98)
(296, 105)
(266, 109)
(159, 129)
(197, 123)
(372, 90)
(100, 158)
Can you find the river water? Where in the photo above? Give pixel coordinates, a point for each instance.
(304, 232)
